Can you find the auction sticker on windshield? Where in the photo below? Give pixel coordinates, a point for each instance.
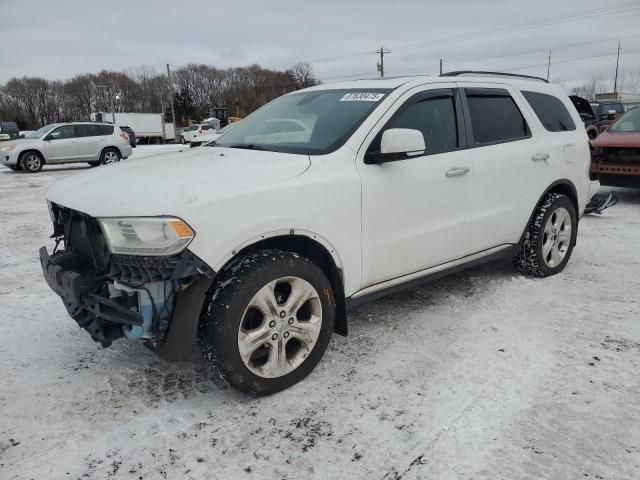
(362, 97)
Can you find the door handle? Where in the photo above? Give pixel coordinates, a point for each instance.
(457, 171)
(540, 157)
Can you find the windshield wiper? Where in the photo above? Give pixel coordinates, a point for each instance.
(246, 146)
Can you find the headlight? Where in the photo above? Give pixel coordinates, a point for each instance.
(7, 148)
(146, 236)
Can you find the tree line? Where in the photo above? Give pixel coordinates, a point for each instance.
(196, 88)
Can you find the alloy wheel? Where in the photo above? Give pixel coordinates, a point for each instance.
(557, 237)
(280, 327)
(110, 157)
(32, 162)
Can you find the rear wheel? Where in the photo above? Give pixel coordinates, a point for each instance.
(109, 155)
(267, 321)
(550, 237)
(31, 162)
(94, 164)
(182, 140)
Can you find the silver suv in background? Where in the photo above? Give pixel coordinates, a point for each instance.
(94, 143)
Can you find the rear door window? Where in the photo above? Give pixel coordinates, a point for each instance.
(552, 113)
(495, 117)
(87, 130)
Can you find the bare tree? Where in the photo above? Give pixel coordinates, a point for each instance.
(197, 89)
(591, 88)
(302, 75)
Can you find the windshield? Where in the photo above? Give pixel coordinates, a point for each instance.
(314, 122)
(41, 132)
(629, 122)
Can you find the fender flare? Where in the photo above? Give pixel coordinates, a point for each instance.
(564, 182)
(219, 265)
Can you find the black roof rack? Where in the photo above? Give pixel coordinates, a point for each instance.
(496, 74)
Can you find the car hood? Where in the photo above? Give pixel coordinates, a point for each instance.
(622, 140)
(582, 105)
(17, 142)
(173, 183)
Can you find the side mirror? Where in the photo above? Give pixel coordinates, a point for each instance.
(398, 144)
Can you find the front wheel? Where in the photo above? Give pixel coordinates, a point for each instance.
(267, 321)
(31, 162)
(549, 238)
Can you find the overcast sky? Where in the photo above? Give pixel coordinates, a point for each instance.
(58, 39)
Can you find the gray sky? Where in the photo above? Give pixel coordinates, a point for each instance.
(58, 39)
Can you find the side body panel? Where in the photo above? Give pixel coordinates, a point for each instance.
(414, 215)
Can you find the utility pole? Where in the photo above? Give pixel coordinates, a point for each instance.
(382, 51)
(113, 110)
(440, 67)
(173, 112)
(615, 82)
(549, 65)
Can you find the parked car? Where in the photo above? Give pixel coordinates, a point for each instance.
(253, 249)
(193, 131)
(94, 143)
(616, 152)
(587, 115)
(132, 135)
(209, 138)
(607, 112)
(8, 131)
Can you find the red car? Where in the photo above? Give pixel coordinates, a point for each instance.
(616, 152)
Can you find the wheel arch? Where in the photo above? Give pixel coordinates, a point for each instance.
(564, 187)
(35, 150)
(311, 246)
(110, 147)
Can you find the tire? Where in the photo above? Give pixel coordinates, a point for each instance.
(182, 140)
(31, 162)
(549, 238)
(228, 319)
(110, 155)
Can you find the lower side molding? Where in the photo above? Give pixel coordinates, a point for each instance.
(413, 279)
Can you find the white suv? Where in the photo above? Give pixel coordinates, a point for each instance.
(255, 248)
(94, 143)
(196, 130)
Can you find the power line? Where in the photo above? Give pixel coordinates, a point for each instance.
(575, 59)
(554, 20)
(525, 67)
(586, 14)
(526, 52)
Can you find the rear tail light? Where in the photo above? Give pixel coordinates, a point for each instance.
(124, 135)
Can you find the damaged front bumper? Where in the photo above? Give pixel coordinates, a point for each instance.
(155, 299)
(99, 315)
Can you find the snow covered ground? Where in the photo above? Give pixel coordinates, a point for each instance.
(482, 375)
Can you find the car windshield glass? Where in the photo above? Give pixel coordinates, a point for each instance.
(40, 133)
(313, 122)
(629, 122)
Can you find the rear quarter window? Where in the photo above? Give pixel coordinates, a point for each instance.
(551, 112)
(105, 129)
